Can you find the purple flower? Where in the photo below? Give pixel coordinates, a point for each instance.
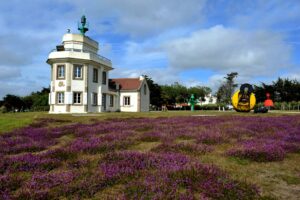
(31, 162)
(259, 150)
(183, 148)
(40, 185)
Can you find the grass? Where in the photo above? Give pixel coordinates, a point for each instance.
(290, 179)
(145, 146)
(279, 180)
(11, 121)
(276, 179)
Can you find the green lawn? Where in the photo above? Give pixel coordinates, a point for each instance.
(10, 121)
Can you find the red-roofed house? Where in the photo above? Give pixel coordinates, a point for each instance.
(134, 94)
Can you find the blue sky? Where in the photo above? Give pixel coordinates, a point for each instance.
(194, 42)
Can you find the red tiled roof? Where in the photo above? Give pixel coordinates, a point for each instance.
(128, 83)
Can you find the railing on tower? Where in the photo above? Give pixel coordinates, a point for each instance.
(83, 51)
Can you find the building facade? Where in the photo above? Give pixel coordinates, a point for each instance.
(80, 81)
(208, 99)
(134, 94)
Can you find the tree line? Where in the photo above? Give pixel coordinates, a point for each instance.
(174, 93)
(281, 91)
(285, 93)
(36, 101)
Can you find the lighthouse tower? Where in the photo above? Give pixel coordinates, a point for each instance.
(79, 76)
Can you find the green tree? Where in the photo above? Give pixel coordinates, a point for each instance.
(226, 90)
(221, 94)
(175, 93)
(199, 92)
(40, 100)
(37, 101)
(181, 92)
(281, 90)
(287, 89)
(167, 95)
(260, 92)
(28, 101)
(155, 92)
(178, 93)
(13, 103)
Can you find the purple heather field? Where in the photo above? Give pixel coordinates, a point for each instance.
(76, 161)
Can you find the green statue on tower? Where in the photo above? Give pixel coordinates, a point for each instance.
(83, 28)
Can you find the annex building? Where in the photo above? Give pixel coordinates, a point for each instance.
(80, 80)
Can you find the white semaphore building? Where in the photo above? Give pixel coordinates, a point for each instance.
(80, 80)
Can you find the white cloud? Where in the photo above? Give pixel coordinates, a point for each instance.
(225, 49)
(215, 81)
(20, 88)
(148, 58)
(142, 18)
(142, 55)
(158, 75)
(265, 14)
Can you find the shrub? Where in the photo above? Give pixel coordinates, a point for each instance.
(102, 144)
(60, 154)
(10, 182)
(211, 136)
(3, 109)
(46, 186)
(31, 162)
(117, 165)
(260, 151)
(188, 180)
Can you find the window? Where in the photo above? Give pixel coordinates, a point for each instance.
(126, 101)
(95, 75)
(111, 101)
(77, 97)
(60, 71)
(77, 71)
(95, 99)
(60, 97)
(104, 101)
(145, 89)
(104, 78)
